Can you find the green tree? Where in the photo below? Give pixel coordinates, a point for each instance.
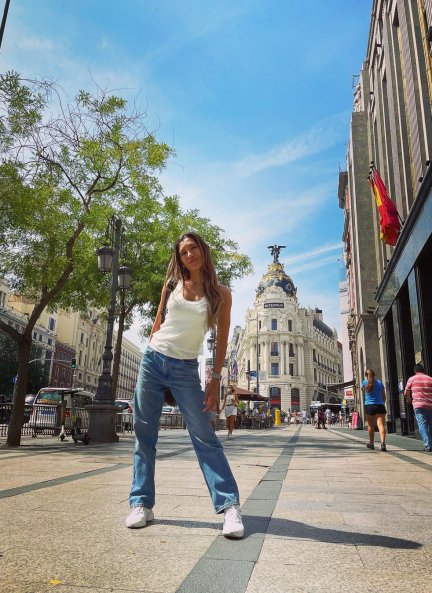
(64, 169)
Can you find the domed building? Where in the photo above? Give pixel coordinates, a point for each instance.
(296, 353)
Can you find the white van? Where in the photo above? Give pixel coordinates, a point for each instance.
(45, 411)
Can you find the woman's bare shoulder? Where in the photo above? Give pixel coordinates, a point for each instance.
(225, 291)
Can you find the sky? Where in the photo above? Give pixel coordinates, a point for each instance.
(255, 96)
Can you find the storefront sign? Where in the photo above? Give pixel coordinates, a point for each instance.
(274, 305)
(349, 394)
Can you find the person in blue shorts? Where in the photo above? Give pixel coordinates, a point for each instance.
(375, 410)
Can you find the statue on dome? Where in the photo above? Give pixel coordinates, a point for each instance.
(275, 250)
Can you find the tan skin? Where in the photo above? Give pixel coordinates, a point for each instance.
(230, 421)
(378, 419)
(193, 290)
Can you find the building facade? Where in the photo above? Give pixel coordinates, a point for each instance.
(285, 352)
(15, 311)
(390, 291)
(87, 336)
(129, 366)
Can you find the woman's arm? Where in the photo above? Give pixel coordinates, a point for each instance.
(223, 325)
(158, 319)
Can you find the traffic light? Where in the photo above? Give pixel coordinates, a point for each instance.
(73, 363)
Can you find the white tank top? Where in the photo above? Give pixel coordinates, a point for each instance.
(184, 328)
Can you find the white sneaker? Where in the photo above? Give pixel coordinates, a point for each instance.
(138, 517)
(233, 526)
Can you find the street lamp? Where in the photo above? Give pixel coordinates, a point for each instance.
(211, 345)
(102, 413)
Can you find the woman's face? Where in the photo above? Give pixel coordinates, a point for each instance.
(370, 375)
(190, 255)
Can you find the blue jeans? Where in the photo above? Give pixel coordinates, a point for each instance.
(424, 421)
(157, 372)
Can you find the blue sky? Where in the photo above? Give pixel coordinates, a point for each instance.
(254, 95)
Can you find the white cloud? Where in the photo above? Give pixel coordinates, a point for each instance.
(319, 263)
(320, 137)
(313, 253)
(36, 44)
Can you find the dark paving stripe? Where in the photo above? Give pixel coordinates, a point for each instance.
(228, 564)
(62, 480)
(80, 476)
(401, 456)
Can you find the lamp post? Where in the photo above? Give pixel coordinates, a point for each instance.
(211, 345)
(102, 413)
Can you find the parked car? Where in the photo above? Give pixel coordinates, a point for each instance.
(170, 410)
(29, 399)
(44, 413)
(125, 404)
(125, 417)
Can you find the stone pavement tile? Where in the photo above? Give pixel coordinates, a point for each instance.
(414, 529)
(340, 533)
(369, 505)
(306, 553)
(396, 559)
(310, 496)
(129, 559)
(219, 576)
(308, 579)
(247, 549)
(258, 507)
(313, 518)
(418, 507)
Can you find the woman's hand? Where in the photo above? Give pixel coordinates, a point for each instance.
(211, 396)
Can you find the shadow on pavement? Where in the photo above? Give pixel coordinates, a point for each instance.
(296, 530)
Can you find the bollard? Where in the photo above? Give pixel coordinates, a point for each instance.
(277, 417)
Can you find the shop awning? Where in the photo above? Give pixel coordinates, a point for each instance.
(248, 396)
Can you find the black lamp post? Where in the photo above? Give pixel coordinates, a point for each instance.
(103, 412)
(211, 345)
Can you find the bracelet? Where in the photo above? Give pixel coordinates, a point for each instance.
(217, 376)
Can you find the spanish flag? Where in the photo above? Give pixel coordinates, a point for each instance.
(389, 217)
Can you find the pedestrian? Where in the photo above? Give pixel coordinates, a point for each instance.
(341, 419)
(328, 416)
(419, 390)
(197, 303)
(230, 404)
(304, 416)
(321, 419)
(375, 410)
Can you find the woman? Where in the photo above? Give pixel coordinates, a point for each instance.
(230, 404)
(198, 302)
(375, 409)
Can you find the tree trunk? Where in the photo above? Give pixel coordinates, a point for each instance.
(17, 417)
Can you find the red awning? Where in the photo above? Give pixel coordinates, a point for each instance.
(249, 396)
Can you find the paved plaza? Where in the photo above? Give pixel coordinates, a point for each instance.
(322, 514)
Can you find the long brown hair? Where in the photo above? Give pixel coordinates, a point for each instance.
(371, 380)
(212, 291)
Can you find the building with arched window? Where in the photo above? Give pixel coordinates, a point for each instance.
(285, 352)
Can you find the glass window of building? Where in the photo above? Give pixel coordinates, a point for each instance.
(274, 324)
(291, 369)
(274, 351)
(289, 325)
(275, 368)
